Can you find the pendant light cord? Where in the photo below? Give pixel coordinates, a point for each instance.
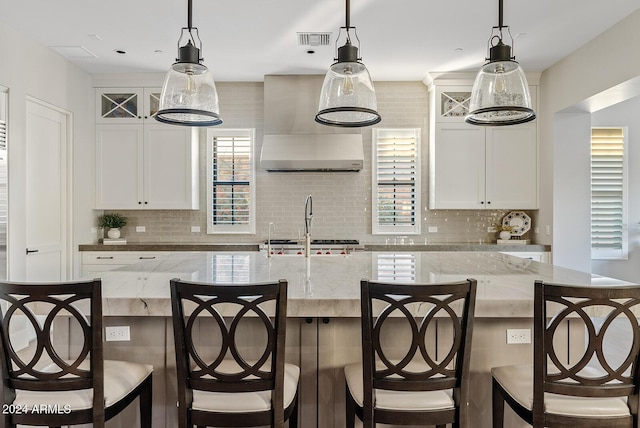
(189, 16)
(500, 14)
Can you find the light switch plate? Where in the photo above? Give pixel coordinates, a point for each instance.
(433, 229)
(195, 229)
(141, 229)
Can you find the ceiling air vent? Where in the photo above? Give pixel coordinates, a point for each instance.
(314, 39)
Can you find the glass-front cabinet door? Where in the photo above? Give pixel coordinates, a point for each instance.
(127, 105)
(452, 103)
(151, 102)
(119, 105)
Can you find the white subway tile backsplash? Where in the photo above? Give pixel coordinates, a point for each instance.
(341, 200)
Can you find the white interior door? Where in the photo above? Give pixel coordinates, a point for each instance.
(46, 193)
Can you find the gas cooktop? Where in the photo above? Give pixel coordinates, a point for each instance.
(316, 242)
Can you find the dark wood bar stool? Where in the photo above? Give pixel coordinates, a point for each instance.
(599, 389)
(230, 389)
(420, 388)
(43, 388)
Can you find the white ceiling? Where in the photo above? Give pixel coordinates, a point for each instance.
(243, 40)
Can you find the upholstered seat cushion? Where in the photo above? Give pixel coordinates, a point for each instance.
(246, 402)
(397, 400)
(120, 378)
(518, 382)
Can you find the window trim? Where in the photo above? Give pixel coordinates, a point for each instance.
(376, 228)
(248, 229)
(623, 252)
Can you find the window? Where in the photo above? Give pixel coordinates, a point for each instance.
(396, 178)
(608, 193)
(230, 186)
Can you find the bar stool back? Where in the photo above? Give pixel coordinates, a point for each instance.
(421, 388)
(44, 388)
(599, 389)
(231, 389)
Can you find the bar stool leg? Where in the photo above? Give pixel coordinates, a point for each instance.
(497, 406)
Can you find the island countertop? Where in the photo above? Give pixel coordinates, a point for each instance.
(328, 286)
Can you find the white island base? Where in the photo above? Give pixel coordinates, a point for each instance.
(323, 331)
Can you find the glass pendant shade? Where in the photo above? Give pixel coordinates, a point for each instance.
(500, 95)
(348, 98)
(189, 97)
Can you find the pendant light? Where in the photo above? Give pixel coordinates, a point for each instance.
(189, 96)
(500, 93)
(348, 98)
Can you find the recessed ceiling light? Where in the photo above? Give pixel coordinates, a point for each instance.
(120, 52)
(158, 51)
(458, 49)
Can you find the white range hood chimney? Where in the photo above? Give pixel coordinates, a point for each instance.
(293, 140)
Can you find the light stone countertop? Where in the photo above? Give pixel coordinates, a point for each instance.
(328, 286)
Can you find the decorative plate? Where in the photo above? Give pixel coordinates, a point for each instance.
(519, 221)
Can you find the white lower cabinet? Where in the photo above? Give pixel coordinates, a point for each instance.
(95, 262)
(543, 257)
(473, 167)
(146, 167)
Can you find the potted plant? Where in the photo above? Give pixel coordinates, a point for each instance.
(113, 222)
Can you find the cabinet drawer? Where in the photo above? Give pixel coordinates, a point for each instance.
(119, 257)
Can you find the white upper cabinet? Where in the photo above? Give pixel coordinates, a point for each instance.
(141, 163)
(478, 167)
(512, 167)
(127, 105)
(146, 167)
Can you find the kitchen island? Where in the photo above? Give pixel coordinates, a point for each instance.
(323, 332)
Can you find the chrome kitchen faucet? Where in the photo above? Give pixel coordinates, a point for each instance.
(308, 216)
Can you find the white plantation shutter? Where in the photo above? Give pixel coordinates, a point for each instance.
(4, 194)
(230, 181)
(608, 194)
(396, 177)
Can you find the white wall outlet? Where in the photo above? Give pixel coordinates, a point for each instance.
(433, 229)
(536, 230)
(117, 334)
(141, 229)
(195, 229)
(548, 230)
(518, 335)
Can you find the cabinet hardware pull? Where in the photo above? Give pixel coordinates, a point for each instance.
(31, 251)
(308, 320)
(146, 258)
(104, 258)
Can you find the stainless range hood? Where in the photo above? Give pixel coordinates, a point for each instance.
(312, 152)
(293, 141)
